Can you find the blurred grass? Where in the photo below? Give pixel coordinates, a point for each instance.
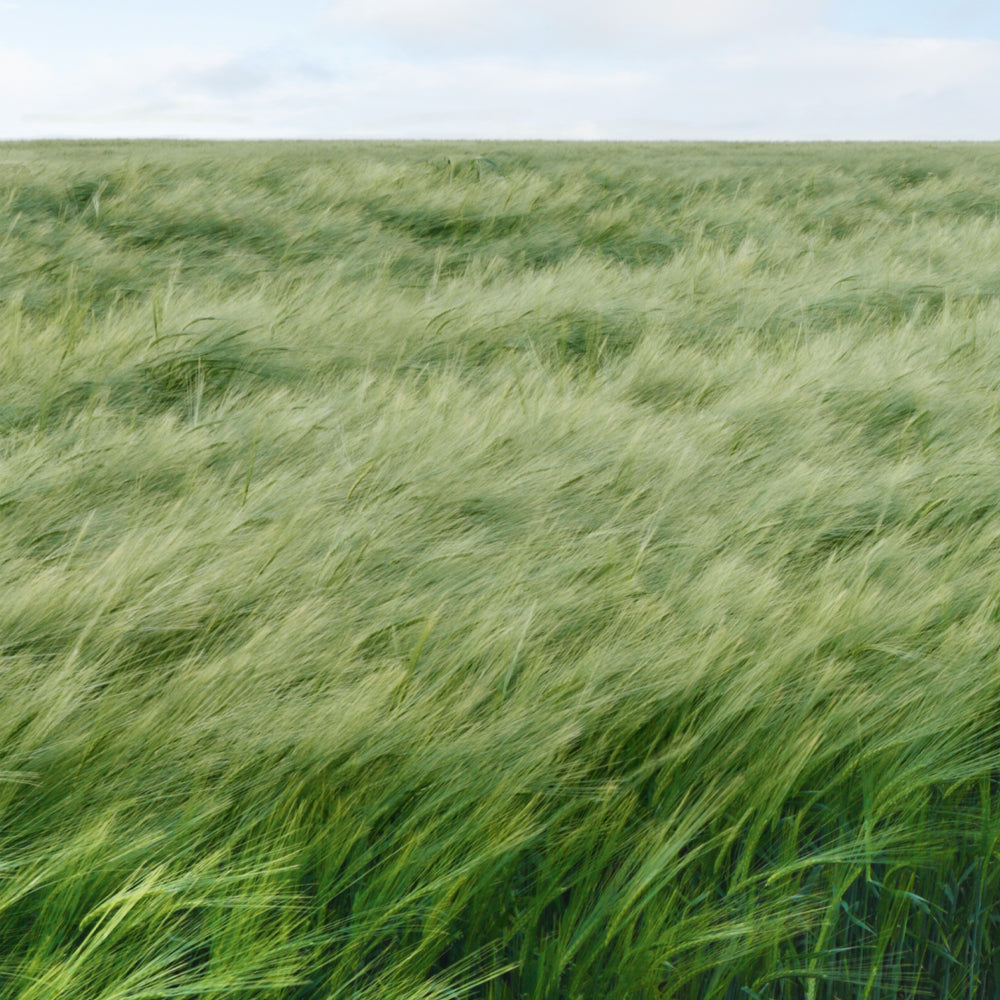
(541, 571)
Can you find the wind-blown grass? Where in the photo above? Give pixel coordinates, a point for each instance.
(548, 571)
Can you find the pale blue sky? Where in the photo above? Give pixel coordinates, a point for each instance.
(616, 69)
(918, 18)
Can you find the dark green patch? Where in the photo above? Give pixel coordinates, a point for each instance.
(589, 340)
(899, 177)
(890, 416)
(194, 366)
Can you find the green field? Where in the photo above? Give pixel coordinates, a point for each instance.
(499, 571)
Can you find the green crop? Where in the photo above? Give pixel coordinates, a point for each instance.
(507, 572)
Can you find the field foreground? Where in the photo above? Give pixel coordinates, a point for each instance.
(558, 572)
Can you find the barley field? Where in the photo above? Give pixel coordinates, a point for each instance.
(499, 571)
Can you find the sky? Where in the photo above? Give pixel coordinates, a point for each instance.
(501, 69)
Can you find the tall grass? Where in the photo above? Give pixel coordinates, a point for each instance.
(540, 571)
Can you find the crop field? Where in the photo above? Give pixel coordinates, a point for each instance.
(483, 571)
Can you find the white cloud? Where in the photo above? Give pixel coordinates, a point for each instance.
(768, 84)
(547, 25)
(170, 91)
(824, 87)
(838, 86)
(706, 19)
(21, 75)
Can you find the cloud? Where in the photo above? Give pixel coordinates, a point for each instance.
(826, 87)
(806, 83)
(707, 19)
(165, 90)
(250, 73)
(843, 87)
(21, 74)
(561, 25)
